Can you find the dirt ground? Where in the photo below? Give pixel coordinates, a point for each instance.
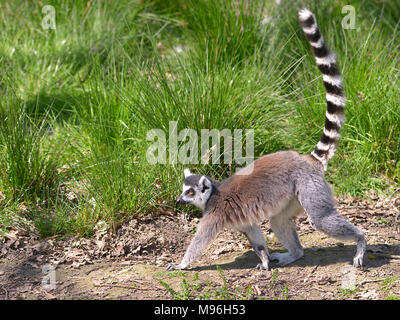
(130, 262)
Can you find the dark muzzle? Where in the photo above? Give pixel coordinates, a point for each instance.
(180, 200)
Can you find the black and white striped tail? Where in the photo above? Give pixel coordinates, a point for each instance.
(335, 98)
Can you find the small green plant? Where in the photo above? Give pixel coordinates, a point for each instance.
(188, 291)
(175, 295)
(197, 289)
(381, 220)
(248, 292)
(228, 293)
(169, 274)
(392, 297)
(285, 293)
(223, 291)
(387, 285)
(347, 293)
(274, 278)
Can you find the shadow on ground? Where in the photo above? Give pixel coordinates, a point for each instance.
(323, 256)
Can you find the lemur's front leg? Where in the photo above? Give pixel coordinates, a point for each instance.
(207, 230)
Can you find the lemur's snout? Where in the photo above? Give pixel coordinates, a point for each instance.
(179, 200)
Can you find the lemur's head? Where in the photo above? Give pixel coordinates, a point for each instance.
(197, 190)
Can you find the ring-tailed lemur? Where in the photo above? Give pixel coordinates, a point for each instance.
(280, 185)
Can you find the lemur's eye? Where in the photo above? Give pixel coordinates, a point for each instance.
(190, 192)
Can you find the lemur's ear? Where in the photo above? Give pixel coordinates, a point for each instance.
(204, 184)
(187, 173)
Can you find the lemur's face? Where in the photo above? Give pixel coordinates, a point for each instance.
(196, 190)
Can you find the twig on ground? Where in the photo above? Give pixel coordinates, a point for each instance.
(93, 269)
(370, 280)
(114, 286)
(119, 285)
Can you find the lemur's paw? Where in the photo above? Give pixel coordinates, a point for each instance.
(261, 266)
(357, 262)
(283, 258)
(172, 266)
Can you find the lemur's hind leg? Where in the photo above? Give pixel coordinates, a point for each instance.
(285, 231)
(257, 241)
(315, 196)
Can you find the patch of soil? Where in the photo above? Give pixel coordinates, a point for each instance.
(130, 263)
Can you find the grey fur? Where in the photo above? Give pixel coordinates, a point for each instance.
(279, 186)
(255, 236)
(203, 189)
(207, 230)
(285, 231)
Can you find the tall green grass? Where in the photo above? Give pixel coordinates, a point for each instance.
(77, 102)
(28, 167)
